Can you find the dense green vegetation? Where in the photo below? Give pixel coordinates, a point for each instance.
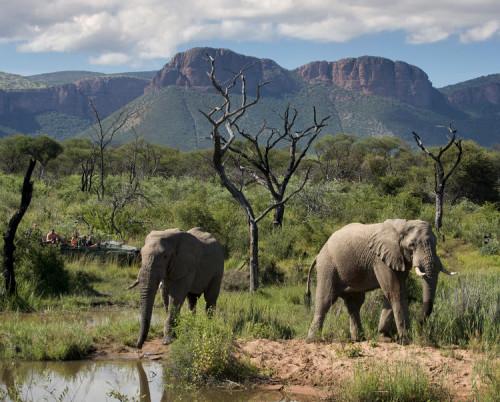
(352, 179)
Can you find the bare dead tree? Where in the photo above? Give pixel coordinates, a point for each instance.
(440, 177)
(103, 133)
(9, 246)
(223, 116)
(258, 156)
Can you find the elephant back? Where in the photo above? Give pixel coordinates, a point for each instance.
(213, 253)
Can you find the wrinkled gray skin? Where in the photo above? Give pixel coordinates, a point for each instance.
(359, 258)
(187, 264)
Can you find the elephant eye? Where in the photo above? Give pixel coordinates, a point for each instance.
(411, 245)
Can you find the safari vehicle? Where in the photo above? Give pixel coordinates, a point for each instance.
(129, 254)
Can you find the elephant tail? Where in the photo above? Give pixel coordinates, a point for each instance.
(133, 285)
(307, 295)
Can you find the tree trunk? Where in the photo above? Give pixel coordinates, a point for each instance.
(254, 256)
(279, 212)
(439, 212)
(9, 246)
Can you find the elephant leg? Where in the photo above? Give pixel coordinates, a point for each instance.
(386, 318)
(353, 302)
(211, 295)
(394, 288)
(164, 294)
(325, 297)
(176, 296)
(192, 300)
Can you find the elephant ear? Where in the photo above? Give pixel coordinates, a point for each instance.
(385, 244)
(177, 268)
(183, 260)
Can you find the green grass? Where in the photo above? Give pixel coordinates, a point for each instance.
(44, 339)
(402, 381)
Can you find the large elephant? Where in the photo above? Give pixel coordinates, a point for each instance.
(187, 264)
(359, 258)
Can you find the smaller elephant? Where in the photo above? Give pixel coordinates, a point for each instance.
(359, 258)
(185, 264)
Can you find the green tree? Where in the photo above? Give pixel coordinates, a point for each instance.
(476, 178)
(12, 159)
(79, 157)
(335, 156)
(43, 149)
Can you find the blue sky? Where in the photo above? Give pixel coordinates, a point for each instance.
(451, 40)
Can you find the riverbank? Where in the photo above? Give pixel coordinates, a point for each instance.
(319, 369)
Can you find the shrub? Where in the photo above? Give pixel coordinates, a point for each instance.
(491, 247)
(41, 265)
(203, 353)
(270, 273)
(236, 280)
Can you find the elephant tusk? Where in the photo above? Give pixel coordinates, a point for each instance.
(419, 273)
(448, 272)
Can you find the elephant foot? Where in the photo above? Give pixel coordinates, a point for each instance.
(312, 339)
(385, 338)
(403, 341)
(167, 340)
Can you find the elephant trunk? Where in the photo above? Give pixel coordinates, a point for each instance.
(429, 284)
(148, 291)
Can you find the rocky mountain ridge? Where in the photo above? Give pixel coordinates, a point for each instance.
(372, 92)
(109, 93)
(374, 76)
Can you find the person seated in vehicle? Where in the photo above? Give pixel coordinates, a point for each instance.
(89, 241)
(53, 237)
(75, 239)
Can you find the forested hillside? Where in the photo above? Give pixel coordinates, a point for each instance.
(367, 96)
(351, 179)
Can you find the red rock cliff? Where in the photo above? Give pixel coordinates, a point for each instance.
(189, 69)
(374, 76)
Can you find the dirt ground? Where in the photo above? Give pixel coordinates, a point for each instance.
(313, 369)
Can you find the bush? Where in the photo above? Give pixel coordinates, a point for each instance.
(269, 272)
(203, 353)
(491, 247)
(41, 265)
(236, 280)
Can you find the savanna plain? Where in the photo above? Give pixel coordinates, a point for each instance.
(258, 340)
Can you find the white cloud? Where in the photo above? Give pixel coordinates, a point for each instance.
(111, 59)
(481, 33)
(117, 31)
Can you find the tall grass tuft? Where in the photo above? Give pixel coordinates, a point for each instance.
(203, 353)
(399, 381)
(466, 313)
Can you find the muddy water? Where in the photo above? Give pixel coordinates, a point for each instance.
(124, 379)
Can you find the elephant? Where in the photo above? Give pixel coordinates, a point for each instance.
(359, 258)
(185, 264)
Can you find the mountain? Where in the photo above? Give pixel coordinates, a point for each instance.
(68, 77)
(62, 110)
(367, 96)
(483, 90)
